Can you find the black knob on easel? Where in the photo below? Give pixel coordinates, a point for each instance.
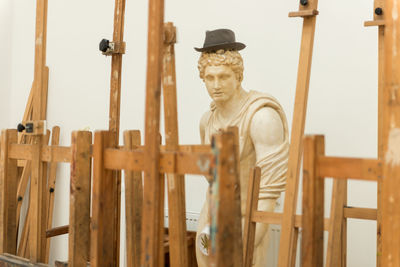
(378, 11)
(104, 45)
(304, 2)
(20, 127)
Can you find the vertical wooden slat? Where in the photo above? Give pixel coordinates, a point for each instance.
(152, 184)
(336, 222)
(40, 94)
(381, 86)
(51, 186)
(8, 189)
(391, 138)
(313, 204)
(103, 220)
(176, 183)
(296, 141)
(133, 204)
(79, 206)
(250, 226)
(114, 114)
(37, 219)
(224, 196)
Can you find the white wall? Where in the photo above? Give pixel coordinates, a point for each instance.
(343, 89)
(5, 60)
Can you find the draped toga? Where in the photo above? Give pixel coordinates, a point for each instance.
(273, 164)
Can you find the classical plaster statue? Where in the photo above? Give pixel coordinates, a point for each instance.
(263, 132)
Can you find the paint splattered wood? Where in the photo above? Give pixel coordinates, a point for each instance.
(133, 204)
(8, 189)
(313, 204)
(152, 184)
(391, 138)
(79, 211)
(223, 211)
(296, 141)
(176, 183)
(114, 113)
(102, 224)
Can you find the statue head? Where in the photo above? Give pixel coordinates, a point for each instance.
(220, 64)
(231, 59)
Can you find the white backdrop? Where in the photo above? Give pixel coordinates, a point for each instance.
(343, 88)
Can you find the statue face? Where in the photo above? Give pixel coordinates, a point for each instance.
(221, 82)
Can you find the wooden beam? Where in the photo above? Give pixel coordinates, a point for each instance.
(224, 213)
(103, 223)
(360, 213)
(176, 183)
(250, 226)
(391, 138)
(133, 204)
(79, 211)
(350, 168)
(338, 219)
(296, 141)
(8, 190)
(312, 240)
(8, 260)
(51, 187)
(152, 183)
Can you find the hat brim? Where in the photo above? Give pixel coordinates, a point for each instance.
(229, 46)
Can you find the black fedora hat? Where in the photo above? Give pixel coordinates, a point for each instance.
(220, 39)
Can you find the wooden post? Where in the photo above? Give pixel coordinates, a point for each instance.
(296, 141)
(391, 137)
(381, 128)
(313, 204)
(176, 183)
(152, 184)
(336, 256)
(250, 226)
(51, 186)
(114, 115)
(79, 211)
(103, 220)
(37, 206)
(8, 190)
(225, 191)
(133, 204)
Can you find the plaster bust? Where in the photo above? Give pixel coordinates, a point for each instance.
(263, 132)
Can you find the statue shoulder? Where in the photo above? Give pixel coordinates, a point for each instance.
(267, 127)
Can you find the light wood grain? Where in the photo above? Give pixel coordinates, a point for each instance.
(133, 204)
(249, 231)
(79, 211)
(312, 240)
(296, 141)
(103, 223)
(8, 190)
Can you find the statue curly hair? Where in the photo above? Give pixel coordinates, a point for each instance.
(221, 57)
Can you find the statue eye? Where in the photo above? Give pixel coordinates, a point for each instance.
(209, 78)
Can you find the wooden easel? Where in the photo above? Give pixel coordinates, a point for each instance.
(288, 220)
(318, 166)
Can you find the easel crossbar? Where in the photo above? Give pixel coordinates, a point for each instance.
(170, 162)
(346, 168)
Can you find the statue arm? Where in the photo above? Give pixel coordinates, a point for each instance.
(267, 133)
